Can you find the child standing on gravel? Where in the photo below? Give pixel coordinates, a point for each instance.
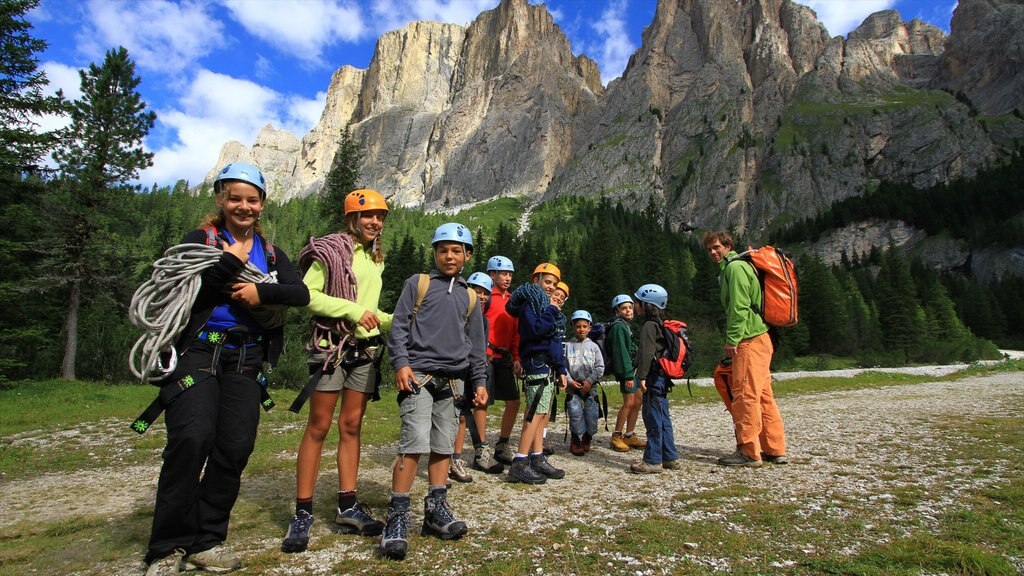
(437, 343)
(457, 469)
(586, 365)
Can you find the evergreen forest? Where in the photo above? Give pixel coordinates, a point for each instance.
(77, 239)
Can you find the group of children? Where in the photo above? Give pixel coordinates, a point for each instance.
(456, 344)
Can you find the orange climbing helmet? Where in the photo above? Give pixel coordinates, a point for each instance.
(547, 268)
(364, 199)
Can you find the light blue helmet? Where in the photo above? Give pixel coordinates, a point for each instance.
(653, 294)
(582, 315)
(620, 299)
(500, 263)
(245, 173)
(480, 279)
(452, 232)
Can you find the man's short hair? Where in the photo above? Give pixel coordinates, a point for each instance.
(722, 237)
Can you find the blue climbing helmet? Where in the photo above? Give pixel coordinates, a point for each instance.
(245, 173)
(620, 299)
(582, 315)
(653, 294)
(500, 264)
(480, 279)
(452, 232)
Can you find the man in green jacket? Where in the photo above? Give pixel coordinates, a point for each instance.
(760, 435)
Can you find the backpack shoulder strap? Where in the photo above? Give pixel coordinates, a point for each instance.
(211, 236)
(472, 302)
(421, 292)
(268, 249)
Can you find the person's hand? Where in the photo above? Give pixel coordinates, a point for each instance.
(238, 250)
(480, 398)
(562, 382)
(586, 386)
(369, 321)
(576, 385)
(405, 380)
(643, 386)
(517, 368)
(730, 350)
(246, 294)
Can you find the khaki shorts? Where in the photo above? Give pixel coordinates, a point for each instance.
(429, 417)
(361, 377)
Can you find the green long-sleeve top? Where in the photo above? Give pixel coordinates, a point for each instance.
(368, 281)
(622, 348)
(741, 298)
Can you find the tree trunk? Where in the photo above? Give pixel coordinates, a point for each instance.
(71, 344)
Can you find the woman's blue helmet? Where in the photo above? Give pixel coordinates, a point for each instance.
(620, 299)
(653, 294)
(500, 263)
(480, 279)
(582, 315)
(452, 232)
(245, 173)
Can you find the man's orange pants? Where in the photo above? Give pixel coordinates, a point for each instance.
(754, 412)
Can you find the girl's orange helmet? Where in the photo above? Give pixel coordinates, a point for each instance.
(364, 199)
(547, 268)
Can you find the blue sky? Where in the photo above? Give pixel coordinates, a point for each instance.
(220, 70)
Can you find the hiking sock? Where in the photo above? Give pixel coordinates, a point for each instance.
(346, 499)
(456, 455)
(305, 504)
(502, 440)
(438, 491)
(520, 456)
(628, 434)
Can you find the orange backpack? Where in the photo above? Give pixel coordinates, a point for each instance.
(779, 287)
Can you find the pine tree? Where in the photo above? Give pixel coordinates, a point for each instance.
(341, 180)
(102, 154)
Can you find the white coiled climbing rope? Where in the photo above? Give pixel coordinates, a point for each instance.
(162, 304)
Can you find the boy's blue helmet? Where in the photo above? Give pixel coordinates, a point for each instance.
(582, 315)
(500, 263)
(620, 299)
(452, 232)
(245, 173)
(480, 279)
(653, 294)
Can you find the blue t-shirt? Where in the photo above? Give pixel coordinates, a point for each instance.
(234, 314)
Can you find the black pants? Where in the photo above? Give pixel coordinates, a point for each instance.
(212, 424)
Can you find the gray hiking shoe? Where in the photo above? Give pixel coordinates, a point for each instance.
(780, 459)
(217, 560)
(541, 465)
(485, 462)
(504, 453)
(297, 537)
(358, 520)
(738, 458)
(521, 471)
(645, 467)
(457, 470)
(394, 541)
(169, 565)
(439, 521)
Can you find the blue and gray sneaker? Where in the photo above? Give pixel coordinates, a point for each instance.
(439, 520)
(394, 542)
(297, 538)
(357, 520)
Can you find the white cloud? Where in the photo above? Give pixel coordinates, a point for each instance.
(61, 77)
(215, 109)
(841, 17)
(394, 14)
(301, 28)
(614, 47)
(160, 35)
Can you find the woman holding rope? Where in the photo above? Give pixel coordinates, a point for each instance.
(212, 397)
(343, 273)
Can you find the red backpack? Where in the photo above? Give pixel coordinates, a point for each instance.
(779, 287)
(675, 360)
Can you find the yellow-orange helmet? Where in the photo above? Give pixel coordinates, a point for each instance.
(563, 287)
(364, 199)
(547, 268)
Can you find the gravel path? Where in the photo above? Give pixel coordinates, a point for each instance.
(835, 440)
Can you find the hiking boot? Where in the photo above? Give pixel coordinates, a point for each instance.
(504, 453)
(634, 441)
(394, 541)
(618, 443)
(169, 565)
(671, 464)
(576, 446)
(540, 464)
(738, 458)
(217, 560)
(645, 467)
(485, 462)
(587, 439)
(780, 459)
(457, 470)
(521, 471)
(439, 521)
(547, 451)
(297, 538)
(357, 520)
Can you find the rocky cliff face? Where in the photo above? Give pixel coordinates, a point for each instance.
(733, 113)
